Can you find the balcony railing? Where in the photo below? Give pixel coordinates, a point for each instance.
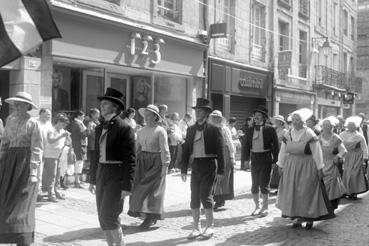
(328, 76)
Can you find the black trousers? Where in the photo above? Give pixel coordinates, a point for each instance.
(108, 195)
(261, 166)
(202, 182)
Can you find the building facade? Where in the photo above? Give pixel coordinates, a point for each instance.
(362, 104)
(239, 72)
(149, 50)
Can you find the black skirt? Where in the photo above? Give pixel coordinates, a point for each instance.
(18, 197)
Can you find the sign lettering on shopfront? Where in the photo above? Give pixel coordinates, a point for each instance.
(251, 82)
(147, 41)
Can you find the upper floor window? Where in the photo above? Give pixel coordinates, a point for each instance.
(284, 38)
(345, 22)
(352, 28)
(304, 8)
(259, 22)
(259, 37)
(285, 3)
(170, 9)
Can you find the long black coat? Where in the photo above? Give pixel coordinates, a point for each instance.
(120, 146)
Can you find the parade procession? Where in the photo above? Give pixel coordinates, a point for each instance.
(172, 122)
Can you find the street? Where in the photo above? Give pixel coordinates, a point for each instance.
(74, 221)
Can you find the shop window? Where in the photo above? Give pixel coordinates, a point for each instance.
(93, 87)
(171, 91)
(141, 91)
(170, 9)
(66, 89)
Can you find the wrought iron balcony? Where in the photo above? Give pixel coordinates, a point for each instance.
(325, 76)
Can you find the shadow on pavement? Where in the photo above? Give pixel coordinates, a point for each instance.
(88, 234)
(275, 232)
(174, 241)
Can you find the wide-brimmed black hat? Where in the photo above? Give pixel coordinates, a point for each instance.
(203, 103)
(262, 109)
(114, 96)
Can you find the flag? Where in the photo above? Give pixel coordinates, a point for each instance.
(24, 24)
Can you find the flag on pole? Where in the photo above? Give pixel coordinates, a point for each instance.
(24, 24)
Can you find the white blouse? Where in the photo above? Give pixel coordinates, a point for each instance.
(303, 134)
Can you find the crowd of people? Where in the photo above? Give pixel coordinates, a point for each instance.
(309, 163)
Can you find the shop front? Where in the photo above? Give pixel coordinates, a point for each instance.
(328, 107)
(237, 89)
(287, 100)
(147, 66)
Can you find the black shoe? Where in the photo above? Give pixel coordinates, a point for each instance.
(309, 225)
(146, 223)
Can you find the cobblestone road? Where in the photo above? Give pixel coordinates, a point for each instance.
(233, 225)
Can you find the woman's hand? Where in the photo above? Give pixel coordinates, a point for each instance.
(184, 177)
(280, 171)
(32, 179)
(92, 188)
(320, 174)
(164, 169)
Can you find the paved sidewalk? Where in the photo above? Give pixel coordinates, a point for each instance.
(74, 222)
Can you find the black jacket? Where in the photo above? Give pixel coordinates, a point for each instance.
(214, 144)
(270, 142)
(120, 146)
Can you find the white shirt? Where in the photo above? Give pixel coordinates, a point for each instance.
(53, 150)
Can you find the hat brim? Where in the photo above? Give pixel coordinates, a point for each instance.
(204, 107)
(280, 120)
(11, 100)
(261, 111)
(142, 111)
(113, 99)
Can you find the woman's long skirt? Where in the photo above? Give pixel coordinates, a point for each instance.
(301, 194)
(149, 187)
(17, 197)
(224, 189)
(333, 182)
(353, 174)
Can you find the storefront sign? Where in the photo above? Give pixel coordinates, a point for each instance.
(218, 30)
(328, 102)
(148, 44)
(244, 81)
(284, 59)
(98, 42)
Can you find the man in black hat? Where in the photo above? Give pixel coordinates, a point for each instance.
(262, 147)
(113, 171)
(205, 144)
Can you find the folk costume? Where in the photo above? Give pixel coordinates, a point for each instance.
(302, 195)
(153, 158)
(205, 145)
(353, 174)
(113, 170)
(20, 156)
(224, 189)
(262, 148)
(333, 153)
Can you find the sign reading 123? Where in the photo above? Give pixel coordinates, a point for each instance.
(146, 40)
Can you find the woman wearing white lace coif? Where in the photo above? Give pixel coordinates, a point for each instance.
(353, 176)
(302, 195)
